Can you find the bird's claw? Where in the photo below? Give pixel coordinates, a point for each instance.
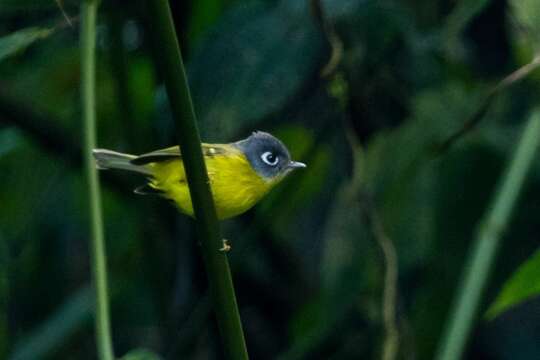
(226, 247)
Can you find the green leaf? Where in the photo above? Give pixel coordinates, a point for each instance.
(20, 40)
(526, 14)
(141, 354)
(522, 285)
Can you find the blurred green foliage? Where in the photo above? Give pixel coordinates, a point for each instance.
(308, 271)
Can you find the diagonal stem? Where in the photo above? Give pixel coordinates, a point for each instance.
(473, 121)
(170, 63)
(484, 251)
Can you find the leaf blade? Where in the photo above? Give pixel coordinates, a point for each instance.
(20, 40)
(522, 285)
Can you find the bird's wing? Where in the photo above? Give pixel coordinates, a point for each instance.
(174, 153)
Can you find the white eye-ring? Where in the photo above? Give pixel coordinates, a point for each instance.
(269, 158)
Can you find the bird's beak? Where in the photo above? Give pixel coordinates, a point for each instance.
(296, 165)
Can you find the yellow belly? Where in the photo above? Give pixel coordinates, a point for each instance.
(236, 187)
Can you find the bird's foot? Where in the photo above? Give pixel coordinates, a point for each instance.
(226, 247)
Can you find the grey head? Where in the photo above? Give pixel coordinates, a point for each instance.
(267, 155)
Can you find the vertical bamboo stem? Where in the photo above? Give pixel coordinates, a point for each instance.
(99, 265)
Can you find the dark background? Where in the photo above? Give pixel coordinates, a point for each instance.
(307, 268)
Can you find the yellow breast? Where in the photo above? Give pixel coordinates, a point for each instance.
(236, 187)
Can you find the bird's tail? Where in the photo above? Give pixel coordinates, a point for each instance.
(107, 159)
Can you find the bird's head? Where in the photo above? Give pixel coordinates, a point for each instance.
(267, 155)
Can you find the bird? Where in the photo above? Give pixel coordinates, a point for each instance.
(240, 173)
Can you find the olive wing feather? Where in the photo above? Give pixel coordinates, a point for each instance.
(174, 153)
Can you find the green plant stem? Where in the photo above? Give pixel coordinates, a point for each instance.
(486, 244)
(479, 114)
(391, 338)
(88, 39)
(217, 267)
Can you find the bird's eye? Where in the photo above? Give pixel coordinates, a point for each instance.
(270, 158)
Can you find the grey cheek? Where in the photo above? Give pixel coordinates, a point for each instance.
(262, 169)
